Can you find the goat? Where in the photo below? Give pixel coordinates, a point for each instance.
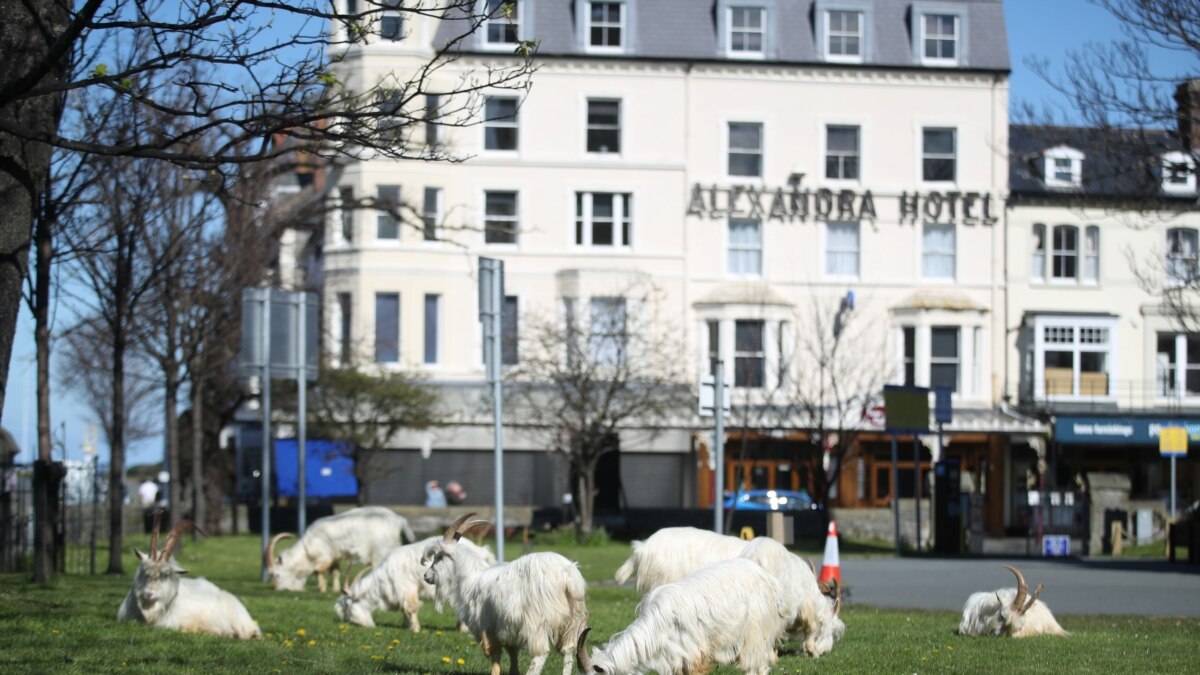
(398, 583)
(536, 602)
(813, 609)
(1009, 611)
(672, 553)
(162, 598)
(363, 535)
(731, 612)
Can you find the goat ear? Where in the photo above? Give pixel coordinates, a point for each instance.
(139, 554)
(599, 669)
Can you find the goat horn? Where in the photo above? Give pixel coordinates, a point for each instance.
(154, 534)
(173, 538)
(350, 586)
(1033, 598)
(269, 554)
(811, 565)
(1022, 588)
(581, 656)
(452, 533)
(837, 596)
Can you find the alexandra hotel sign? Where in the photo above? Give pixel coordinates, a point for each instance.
(795, 203)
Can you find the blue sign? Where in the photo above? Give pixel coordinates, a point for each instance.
(329, 465)
(943, 413)
(1056, 545)
(1119, 430)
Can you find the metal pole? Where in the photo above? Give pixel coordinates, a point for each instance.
(917, 488)
(496, 321)
(266, 426)
(1173, 489)
(719, 448)
(301, 300)
(896, 490)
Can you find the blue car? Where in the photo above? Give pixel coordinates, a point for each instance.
(769, 500)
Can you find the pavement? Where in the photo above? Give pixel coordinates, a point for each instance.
(1073, 586)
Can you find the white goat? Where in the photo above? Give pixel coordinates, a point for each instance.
(812, 608)
(161, 598)
(398, 583)
(1009, 611)
(730, 612)
(536, 602)
(672, 553)
(363, 535)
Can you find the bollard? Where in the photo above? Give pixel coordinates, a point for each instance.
(1117, 537)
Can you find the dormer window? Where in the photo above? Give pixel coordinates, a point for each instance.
(1063, 167)
(1178, 173)
(939, 34)
(502, 27)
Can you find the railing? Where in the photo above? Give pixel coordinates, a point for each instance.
(1098, 393)
(80, 527)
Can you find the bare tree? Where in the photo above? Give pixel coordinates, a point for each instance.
(250, 68)
(598, 374)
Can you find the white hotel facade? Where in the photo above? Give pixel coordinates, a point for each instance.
(750, 159)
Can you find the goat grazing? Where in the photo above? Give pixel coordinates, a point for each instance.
(162, 598)
(398, 583)
(812, 608)
(672, 553)
(363, 535)
(731, 612)
(536, 602)
(1009, 611)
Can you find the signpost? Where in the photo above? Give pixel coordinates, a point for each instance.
(1173, 443)
(907, 411)
(713, 389)
(491, 310)
(279, 340)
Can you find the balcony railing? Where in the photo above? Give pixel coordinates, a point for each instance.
(1098, 393)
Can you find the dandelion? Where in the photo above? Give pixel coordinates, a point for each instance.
(391, 647)
(949, 648)
(301, 632)
(445, 659)
(396, 642)
(288, 644)
(312, 643)
(378, 634)
(461, 662)
(437, 632)
(377, 657)
(55, 632)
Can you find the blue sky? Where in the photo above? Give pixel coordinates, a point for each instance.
(1049, 29)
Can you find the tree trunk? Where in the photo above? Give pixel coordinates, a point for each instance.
(198, 511)
(586, 497)
(116, 470)
(175, 492)
(45, 549)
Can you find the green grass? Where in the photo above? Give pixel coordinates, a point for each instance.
(70, 627)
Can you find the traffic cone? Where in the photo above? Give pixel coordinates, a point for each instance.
(830, 567)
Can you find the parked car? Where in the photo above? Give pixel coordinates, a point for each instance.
(769, 500)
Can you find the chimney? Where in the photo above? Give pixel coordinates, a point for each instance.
(1187, 101)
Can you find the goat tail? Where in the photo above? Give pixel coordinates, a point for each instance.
(629, 567)
(576, 591)
(407, 533)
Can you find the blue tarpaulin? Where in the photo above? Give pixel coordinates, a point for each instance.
(330, 469)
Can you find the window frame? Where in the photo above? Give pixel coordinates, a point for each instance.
(829, 250)
(390, 10)
(746, 54)
(622, 26)
(431, 218)
(927, 253)
(745, 249)
(585, 220)
(1183, 363)
(842, 156)
(1192, 261)
(758, 357)
(501, 124)
(485, 33)
(345, 223)
(1037, 271)
(383, 218)
(1063, 153)
(955, 360)
(926, 156)
(1178, 158)
(488, 218)
(590, 126)
(1066, 254)
(827, 32)
(617, 354)
(1077, 347)
(759, 152)
(344, 326)
(1089, 254)
(380, 329)
(920, 35)
(432, 305)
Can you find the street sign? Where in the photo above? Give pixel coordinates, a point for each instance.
(943, 413)
(906, 409)
(708, 385)
(1173, 442)
(1056, 545)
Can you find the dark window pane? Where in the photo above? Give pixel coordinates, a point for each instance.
(748, 336)
(387, 327)
(431, 328)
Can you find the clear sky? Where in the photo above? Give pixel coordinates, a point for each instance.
(1050, 29)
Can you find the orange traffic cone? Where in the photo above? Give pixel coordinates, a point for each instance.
(830, 568)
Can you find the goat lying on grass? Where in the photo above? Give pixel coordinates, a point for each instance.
(536, 602)
(1009, 611)
(161, 597)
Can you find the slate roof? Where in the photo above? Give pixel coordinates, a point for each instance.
(1118, 163)
(688, 30)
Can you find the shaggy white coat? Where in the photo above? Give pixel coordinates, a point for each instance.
(992, 613)
(730, 612)
(398, 583)
(363, 535)
(810, 612)
(672, 553)
(161, 597)
(535, 603)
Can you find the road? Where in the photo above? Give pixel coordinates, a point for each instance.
(1092, 586)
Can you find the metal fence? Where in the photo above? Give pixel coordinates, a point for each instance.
(80, 526)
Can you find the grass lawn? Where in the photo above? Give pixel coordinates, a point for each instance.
(71, 628)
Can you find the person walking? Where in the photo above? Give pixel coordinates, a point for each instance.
(434, 497)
